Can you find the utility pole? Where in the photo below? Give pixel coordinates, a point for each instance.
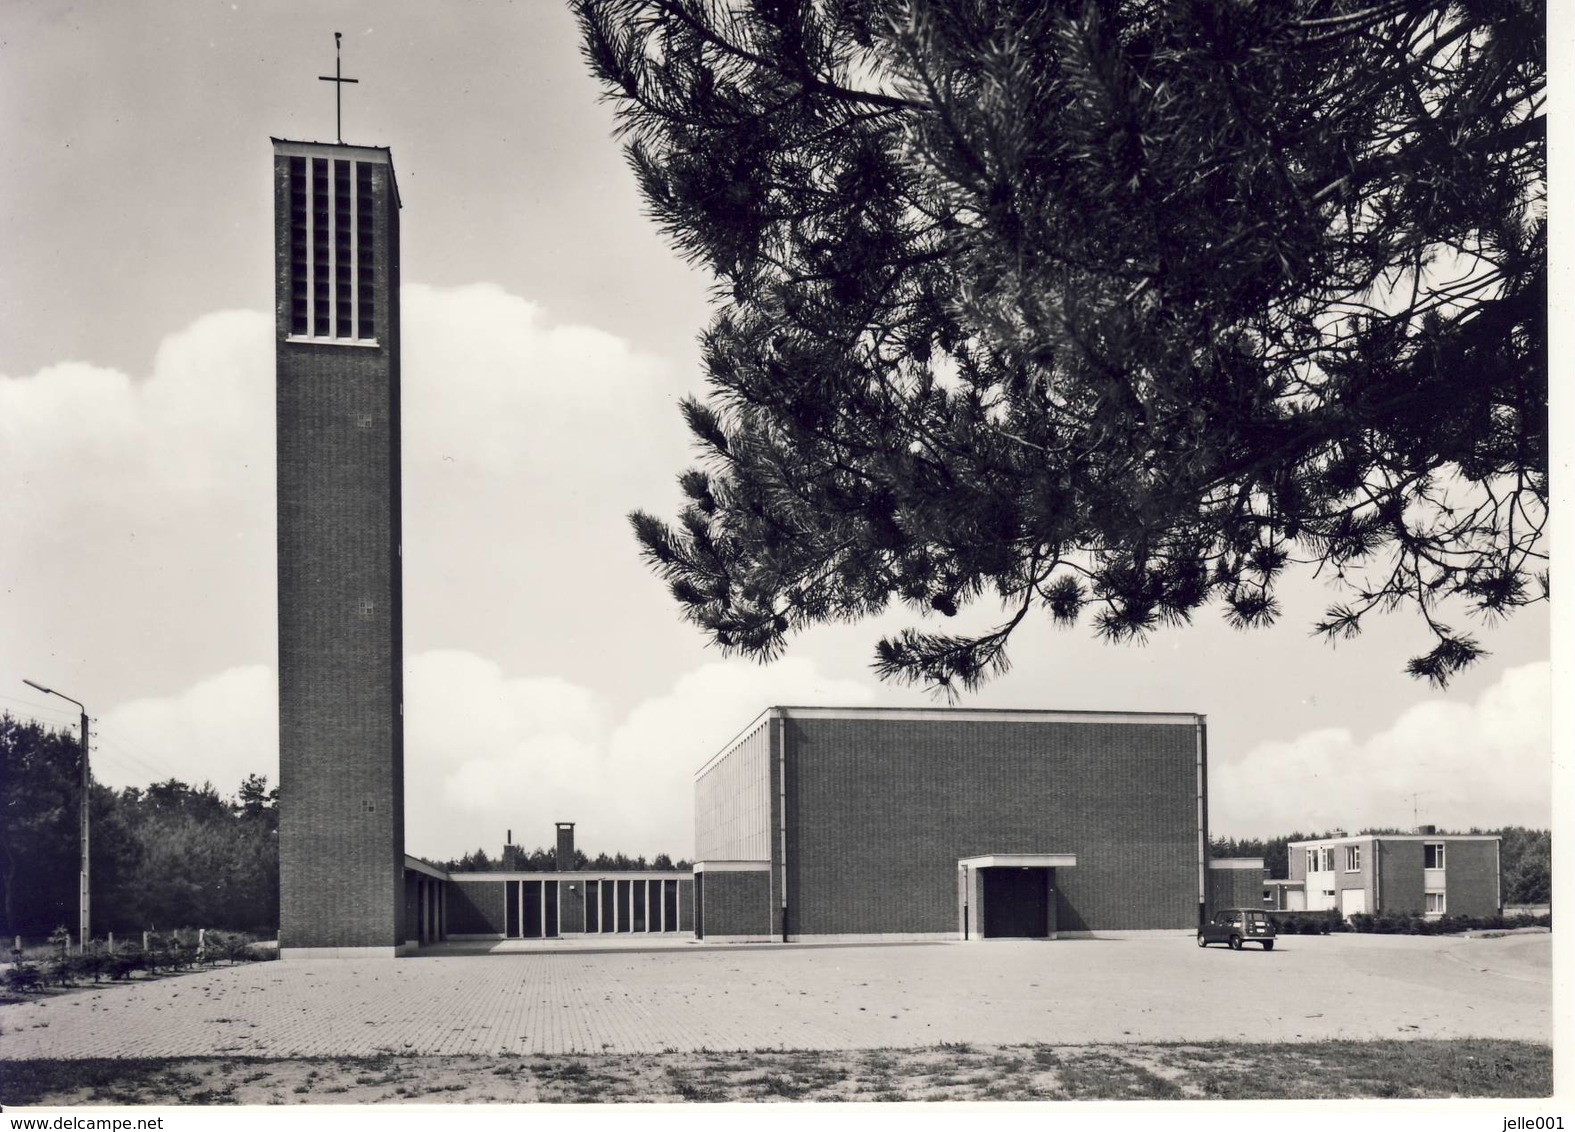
(84, 916)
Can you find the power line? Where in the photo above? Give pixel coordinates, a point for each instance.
(135, 754)
(125, 759)
(48, 709)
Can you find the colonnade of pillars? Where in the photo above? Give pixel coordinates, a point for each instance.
(535, 909)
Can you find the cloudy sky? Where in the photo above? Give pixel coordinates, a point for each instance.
(548, 334)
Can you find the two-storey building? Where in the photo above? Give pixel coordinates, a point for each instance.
(1428, 874)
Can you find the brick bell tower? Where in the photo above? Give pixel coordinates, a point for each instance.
(341, 697)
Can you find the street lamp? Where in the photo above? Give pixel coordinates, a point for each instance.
(83, 926)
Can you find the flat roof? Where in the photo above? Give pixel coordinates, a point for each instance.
(417, 865)
(957, 715)
(577, 875)
(1397, 837)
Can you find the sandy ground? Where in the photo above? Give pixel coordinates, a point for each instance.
(798, 997)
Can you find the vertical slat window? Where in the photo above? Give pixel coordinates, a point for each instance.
(366, 287)
(300, 269)
(593, 906)
(322, 280)
(640, 921)
(343, 254)
(332, 250)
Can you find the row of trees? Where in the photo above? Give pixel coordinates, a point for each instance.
(546, 860)
(167, 855)
(1525, 857)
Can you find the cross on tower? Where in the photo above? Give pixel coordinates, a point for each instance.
(338, 82)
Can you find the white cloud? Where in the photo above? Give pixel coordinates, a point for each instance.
(522, 753)
(1482, 764)
(137, 551)
(80, 439)
(485, 752)
(490, 387)
(219, 730)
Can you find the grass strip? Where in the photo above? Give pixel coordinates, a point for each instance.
(1327, 1070)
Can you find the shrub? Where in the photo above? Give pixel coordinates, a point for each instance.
(1414, 923)
(125, 962)
(23, 976)
(1305, 923)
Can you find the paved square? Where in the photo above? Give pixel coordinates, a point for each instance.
(699, 996)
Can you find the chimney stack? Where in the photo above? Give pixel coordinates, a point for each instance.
(565, 853)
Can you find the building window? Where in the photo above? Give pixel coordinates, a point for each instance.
(1433, 855)
(1353, 858)
(1312, 860)
(366, 285)
(1328, 858)
(331, 250)
(299, 310)
(1435, 903)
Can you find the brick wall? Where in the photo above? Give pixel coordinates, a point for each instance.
(1400, 877)
(737, 903)
(1235, 888)
(686, 904)
(1471, 878)
(475, 907)
(341, 788)
(881, 810)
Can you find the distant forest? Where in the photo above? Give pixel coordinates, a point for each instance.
(1525, 856)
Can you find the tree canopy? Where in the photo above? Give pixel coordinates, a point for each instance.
(1124, 307)
(167, 855)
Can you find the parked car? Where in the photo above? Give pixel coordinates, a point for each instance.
(1237, 926)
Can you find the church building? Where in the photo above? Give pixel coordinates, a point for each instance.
(816, 823)
(941, 823)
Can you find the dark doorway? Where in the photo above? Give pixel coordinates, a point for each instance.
(609, 906)
(669, 905)
(1016, 903)
(511, 909)
(530, 898)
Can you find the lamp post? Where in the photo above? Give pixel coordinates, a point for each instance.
(84, 919)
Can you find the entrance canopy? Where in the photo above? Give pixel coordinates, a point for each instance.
(1009, 895)
(1019, 861)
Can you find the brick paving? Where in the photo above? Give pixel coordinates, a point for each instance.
(685, 997)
